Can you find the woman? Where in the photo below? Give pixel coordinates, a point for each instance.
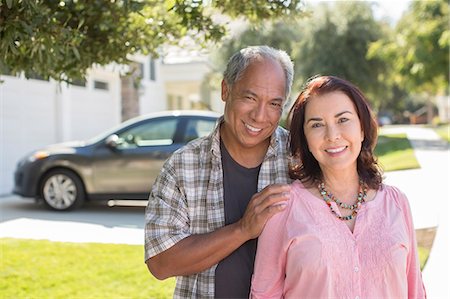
(343, 234)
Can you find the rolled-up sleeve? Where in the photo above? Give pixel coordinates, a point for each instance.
(166, 216)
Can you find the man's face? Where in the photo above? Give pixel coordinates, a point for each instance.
(253, 106)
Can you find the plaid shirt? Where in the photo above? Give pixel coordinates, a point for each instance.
(187, 198)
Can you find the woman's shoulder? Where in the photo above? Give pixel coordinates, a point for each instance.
(298, 186)
(393, 193)
(301, 190)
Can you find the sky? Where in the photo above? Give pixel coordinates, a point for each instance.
(391, 9)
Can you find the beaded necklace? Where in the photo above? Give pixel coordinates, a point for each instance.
(329, 197)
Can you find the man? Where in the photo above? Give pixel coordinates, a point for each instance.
(212, 197)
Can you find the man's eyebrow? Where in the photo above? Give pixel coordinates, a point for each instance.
(278, 99)
(253, 94)
(249, 92)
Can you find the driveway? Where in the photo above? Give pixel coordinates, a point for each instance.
(95, 222)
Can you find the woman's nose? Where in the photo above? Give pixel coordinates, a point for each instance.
(333, 133)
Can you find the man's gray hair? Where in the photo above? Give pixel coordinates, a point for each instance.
(239, 62)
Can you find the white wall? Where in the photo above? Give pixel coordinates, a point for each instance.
(35, 113)
(153, 94)
(93, 111)
(27, 117)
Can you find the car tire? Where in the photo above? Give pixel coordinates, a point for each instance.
(62, 190)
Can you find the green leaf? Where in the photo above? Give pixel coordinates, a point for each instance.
(76, 53)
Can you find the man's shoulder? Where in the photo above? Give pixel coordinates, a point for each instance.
(282, 133)
(195, 151)
(281, 138)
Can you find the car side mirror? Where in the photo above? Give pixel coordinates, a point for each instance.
(112, 141)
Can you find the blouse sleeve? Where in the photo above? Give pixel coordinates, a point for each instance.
(416, 288)
(270, 263)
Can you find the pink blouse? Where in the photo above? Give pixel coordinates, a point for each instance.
(306, 252)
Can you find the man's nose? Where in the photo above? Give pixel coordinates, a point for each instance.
(259, 112)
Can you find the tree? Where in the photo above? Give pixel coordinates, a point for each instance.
(418, 50)
(279, 34)
(62, 39)
(333, 40)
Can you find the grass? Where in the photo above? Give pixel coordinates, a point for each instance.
(44, 269)
(444, 132)
(395, 152)
(423, 253)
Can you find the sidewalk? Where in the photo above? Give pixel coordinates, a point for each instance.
(427, 189)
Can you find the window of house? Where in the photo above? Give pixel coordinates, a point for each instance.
(101, 85)
(35, 76)
(141, 70)
(79, 82)
(152, 70)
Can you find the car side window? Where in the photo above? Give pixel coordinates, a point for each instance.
(152, 133)
(198, 128)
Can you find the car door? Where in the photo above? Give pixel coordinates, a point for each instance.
(133, 164)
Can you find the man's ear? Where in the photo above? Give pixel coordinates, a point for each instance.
(225, 91)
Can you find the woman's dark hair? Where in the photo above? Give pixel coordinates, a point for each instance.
(305, 167)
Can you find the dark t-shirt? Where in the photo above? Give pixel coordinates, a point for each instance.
(234, 273)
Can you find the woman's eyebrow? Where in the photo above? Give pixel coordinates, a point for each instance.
(341, 113)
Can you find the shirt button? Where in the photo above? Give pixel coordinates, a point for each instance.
(356, 269)
(357, 297)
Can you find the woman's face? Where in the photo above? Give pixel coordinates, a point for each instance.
(333, 131)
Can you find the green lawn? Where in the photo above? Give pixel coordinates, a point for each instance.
(395, 152)
(44, 269)
(423, 253)
(444, 132)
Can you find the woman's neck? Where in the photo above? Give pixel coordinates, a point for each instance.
(344, 184)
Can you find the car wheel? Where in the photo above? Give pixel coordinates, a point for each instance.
(62, 190)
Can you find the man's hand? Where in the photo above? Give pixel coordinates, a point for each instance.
(199, 252)
(261, 207)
